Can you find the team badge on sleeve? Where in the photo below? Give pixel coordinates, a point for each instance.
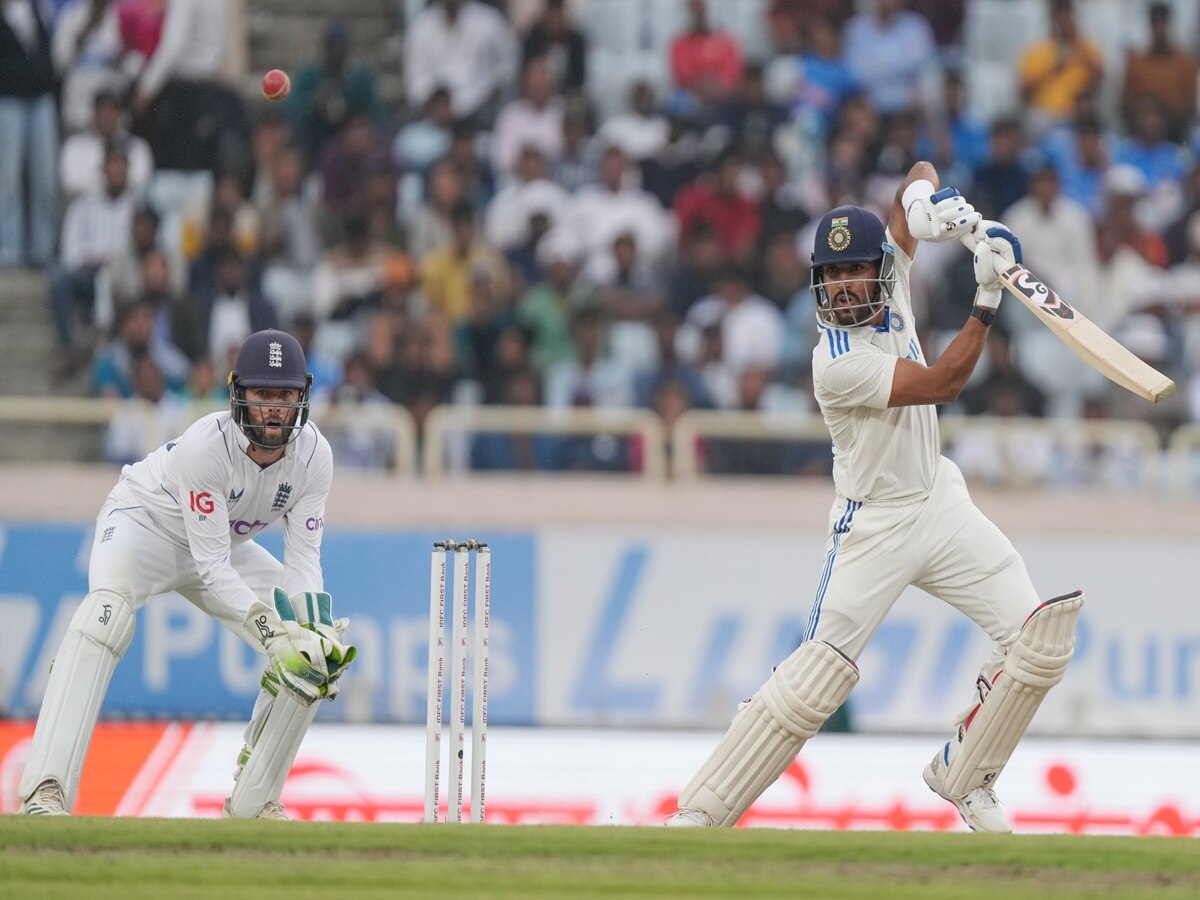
(282, 494)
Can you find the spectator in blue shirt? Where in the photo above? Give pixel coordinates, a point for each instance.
(823, 80)
(1081, 155)
(889, 51)
(1164, 164)
(671, 367)
(1001, 181)
(114, 369)
(956, 139)
(28, 137)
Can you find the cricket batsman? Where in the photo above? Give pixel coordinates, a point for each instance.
(902, 516)
(184, 519)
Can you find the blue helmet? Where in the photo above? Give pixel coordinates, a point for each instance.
(270, 359)
(851, 234)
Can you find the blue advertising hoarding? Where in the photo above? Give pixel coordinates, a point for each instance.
(630, 626)
(183, 664)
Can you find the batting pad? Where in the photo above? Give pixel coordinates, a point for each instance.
(1036, 662)
(266, 767)
(96, 639)
(768, 732)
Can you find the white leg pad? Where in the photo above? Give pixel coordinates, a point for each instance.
(277, 728)
(96, 639)
(1036, 662)
(769, 730)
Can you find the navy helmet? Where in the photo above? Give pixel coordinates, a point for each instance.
(850, 234)
(270, 359)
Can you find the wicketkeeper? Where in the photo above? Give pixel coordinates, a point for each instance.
(184, 519)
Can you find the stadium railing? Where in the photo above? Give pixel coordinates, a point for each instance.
(695, 427)
(440, 446)
(447, 430)
(394, 423)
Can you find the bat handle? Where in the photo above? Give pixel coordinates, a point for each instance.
(971, 240)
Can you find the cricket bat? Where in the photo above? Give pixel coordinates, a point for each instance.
(1087, 339)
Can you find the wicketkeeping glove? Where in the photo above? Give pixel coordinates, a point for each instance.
(296, 658)
(313, 611)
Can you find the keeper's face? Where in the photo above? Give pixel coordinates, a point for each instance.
(271, 412)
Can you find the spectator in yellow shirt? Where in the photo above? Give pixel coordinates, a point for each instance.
(1054, 72)
(446, 270)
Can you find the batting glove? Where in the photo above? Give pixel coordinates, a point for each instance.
(998, 251)
(937, 216)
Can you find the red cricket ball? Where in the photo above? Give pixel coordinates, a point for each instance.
(276, 84)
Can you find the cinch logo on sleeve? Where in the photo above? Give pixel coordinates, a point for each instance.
(314, 523)
(201, 502)
(242, 528)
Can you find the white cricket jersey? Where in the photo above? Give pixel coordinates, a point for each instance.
(205, 494)
(879, 454)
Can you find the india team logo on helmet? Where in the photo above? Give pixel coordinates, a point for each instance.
(839, 233)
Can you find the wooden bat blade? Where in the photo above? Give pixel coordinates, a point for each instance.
(1085, 338)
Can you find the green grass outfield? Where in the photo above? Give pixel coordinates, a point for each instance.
(135, 858)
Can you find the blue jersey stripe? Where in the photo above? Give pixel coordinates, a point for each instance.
(839, 341)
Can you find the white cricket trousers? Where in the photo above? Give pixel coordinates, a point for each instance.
(131, 556)
(941, 544)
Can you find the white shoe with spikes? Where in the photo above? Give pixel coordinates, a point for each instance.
(979, 808)
(690, 818)
(272, 810)
(47, 799)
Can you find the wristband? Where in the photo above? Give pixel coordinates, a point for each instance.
(986, 316)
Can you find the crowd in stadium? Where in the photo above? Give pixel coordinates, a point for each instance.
(504, 235)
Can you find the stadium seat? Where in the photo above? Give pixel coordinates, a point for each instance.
(996, 31)
(618, 26)
(993, 89)
(748, 20)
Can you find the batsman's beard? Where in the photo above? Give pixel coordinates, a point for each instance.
(848, 309)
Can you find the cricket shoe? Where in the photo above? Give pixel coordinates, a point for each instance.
(979, 807)
(690, 818)
(272, 810)
(46, 800)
